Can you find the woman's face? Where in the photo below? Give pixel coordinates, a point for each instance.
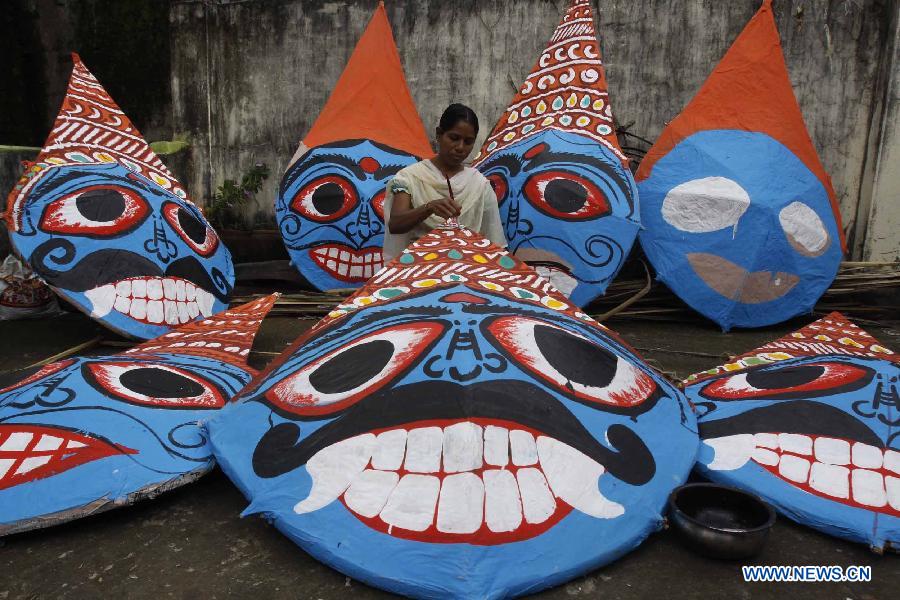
(456, 143)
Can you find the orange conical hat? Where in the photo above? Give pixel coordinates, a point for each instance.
(566, 89)
(226, 336)
(371, 99)
(91, 128)
(748, 90)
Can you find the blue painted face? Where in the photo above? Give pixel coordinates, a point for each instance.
(568, 201)
(330, 210)
(459, 442)
(818, 437)
(739, 228)
(123, 249)
(85, 434)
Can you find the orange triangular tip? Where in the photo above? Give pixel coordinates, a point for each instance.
(226, 336)
(566, 89)
(371, 99)
(749, 90)
(832, 334)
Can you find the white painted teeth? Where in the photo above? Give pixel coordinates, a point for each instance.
(411, 504)
(868, 487)
(390, 447)
(503, 503)
(344, 263)
(156, 300)
(457, 479)
(537, 499)
(423, 450)
(522, 448)
(461, 504)
(16, 441)
(496, 446)
(462, 447)
(830, 480)
(830, 466)
(370, 491)
(102, 299)
(32, 446)
(731, 452)
(333, 469)
(574, 478)
(796, 444)
(205, 302)
(833, 451)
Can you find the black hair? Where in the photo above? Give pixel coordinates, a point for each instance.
(455, 113)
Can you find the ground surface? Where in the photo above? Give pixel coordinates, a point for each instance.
(191, 543)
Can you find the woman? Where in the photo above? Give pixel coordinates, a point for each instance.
(424, 195)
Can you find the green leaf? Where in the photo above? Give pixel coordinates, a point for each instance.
(164, 147)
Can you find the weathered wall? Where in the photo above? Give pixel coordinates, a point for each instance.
(878, 234)
(246, 78)
(124, 43)
(250, 77)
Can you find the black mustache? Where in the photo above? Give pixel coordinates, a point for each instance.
(111, 266)
(799, 416)
(520, 402)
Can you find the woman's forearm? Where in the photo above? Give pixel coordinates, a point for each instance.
(402, 221)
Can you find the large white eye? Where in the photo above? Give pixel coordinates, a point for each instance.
(572, 363)
(704, 205)
(345, 375)
(804, 229)
(153, 384)
(96, 211)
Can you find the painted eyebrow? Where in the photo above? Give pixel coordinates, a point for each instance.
(487, 309)
(386, 171)
(512, 163)
(348, 163)
(580, 159)
(366, 320)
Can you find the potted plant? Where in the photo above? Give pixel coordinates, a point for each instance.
(249, 239)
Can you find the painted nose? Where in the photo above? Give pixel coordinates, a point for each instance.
(462, 360)
(365, 226)
(884, 402)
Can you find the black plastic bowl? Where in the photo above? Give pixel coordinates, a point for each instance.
(720, 522)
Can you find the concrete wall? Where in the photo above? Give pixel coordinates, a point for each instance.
(247, 78)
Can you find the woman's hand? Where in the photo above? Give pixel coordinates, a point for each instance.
(404, 217)
(445, 208)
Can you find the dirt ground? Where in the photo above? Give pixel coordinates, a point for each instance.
(191, 543)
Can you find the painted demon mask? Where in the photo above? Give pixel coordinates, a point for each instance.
(87, 434)
(330, 210)
(330, 207)
(101, 219)
(566, 200)
(811, 423)
(566, 195)
(739, 216)
(462, 418)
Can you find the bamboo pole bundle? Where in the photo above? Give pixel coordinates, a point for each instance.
(854, 292)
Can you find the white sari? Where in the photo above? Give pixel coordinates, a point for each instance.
(424, 182)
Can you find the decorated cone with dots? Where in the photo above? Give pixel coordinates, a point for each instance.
(458, 428)
(809, 422)
(330, 207)
(102, 220)
(566, 194)
(87, 434)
